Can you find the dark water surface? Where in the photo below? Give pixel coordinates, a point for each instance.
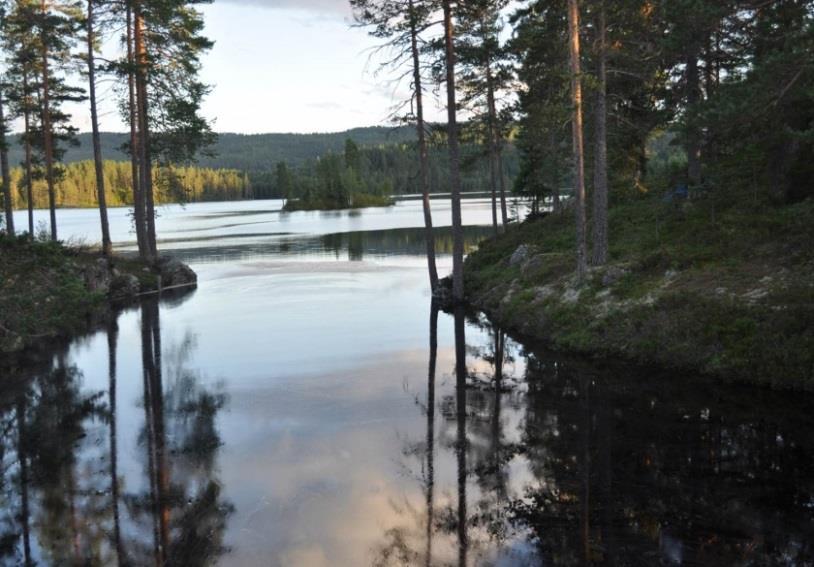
(304, 407)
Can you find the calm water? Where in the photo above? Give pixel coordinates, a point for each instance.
(303, 407)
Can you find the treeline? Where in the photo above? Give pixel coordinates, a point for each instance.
(385, 169)
(184, 184)
(50, 55)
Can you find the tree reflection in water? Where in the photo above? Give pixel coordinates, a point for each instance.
(562, 462)
(183, 505)
(60, 483)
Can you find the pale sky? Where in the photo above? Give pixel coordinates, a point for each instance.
(285, 66)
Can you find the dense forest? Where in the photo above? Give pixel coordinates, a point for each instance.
(262, 166)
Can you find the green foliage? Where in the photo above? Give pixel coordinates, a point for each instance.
(77, 188)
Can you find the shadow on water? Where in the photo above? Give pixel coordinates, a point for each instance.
(65, 500)
(562, 462)
(353, 246)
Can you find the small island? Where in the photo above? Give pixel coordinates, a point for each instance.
(333, 182)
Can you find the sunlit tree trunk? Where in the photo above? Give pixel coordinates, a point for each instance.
(5, 171)
(454, 159)
(29, 168)
(138, 196)
(47, 134)
(579, 148)
(145, 161)
(600, 216)
(107, 246)
(423, 154)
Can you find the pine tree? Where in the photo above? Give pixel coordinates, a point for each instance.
(577, 133)
(400, 23)
(5, 171)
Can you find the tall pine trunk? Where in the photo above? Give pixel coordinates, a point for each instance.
(29, 168)
(693, 142)
(5, 171)
(579, 147)
(498, 183)
(600, 217)
(145, 161)
(454, 160)
(107, 245)
(138, 196)
(423, 155)
(47, 134)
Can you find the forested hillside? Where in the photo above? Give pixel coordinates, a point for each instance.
(388, 163)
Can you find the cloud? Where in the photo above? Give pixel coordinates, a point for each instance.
(322, 7)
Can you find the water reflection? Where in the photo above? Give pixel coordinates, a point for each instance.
(559, 462)
(65, 501)
(470, 449)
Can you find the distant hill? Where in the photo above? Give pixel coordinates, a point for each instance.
(249, 152)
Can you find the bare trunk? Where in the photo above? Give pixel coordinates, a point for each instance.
(693, 147)
(600, 218)
(47, 134)
(454, 160)
(146, 173)
(6, 172)
(29, 173)
(138, 196)
(494, 146)
(423, 156)
(107, 246)
(579, 149)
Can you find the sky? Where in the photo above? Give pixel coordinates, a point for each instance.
(286, 66)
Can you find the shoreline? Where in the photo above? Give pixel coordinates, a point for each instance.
(745, 317)
(51, 292)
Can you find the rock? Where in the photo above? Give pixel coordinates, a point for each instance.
(613, 274)
(98, 276)
(571, 295)
(533, 264)
(520, 255)
(174, 272)
(125, 286)
(544, 292)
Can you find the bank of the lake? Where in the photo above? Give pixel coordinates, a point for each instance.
(50, 291)
(727, 292)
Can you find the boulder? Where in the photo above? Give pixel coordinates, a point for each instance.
(124, 286)
(98, 276)
(174, 272)
(520, 255)
(612, 275)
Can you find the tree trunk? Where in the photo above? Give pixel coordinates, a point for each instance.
(146, 173)
(579, 149)
(600, 218)
(6, 172)
(138, 196)
(494, 146)
(454, 160)
(693, 147)
(107, 245)
(423, 155)
(29, 173)
(47, 134)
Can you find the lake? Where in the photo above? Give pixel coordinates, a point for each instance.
(303, 407)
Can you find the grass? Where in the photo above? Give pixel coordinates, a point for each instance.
(723, 290)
